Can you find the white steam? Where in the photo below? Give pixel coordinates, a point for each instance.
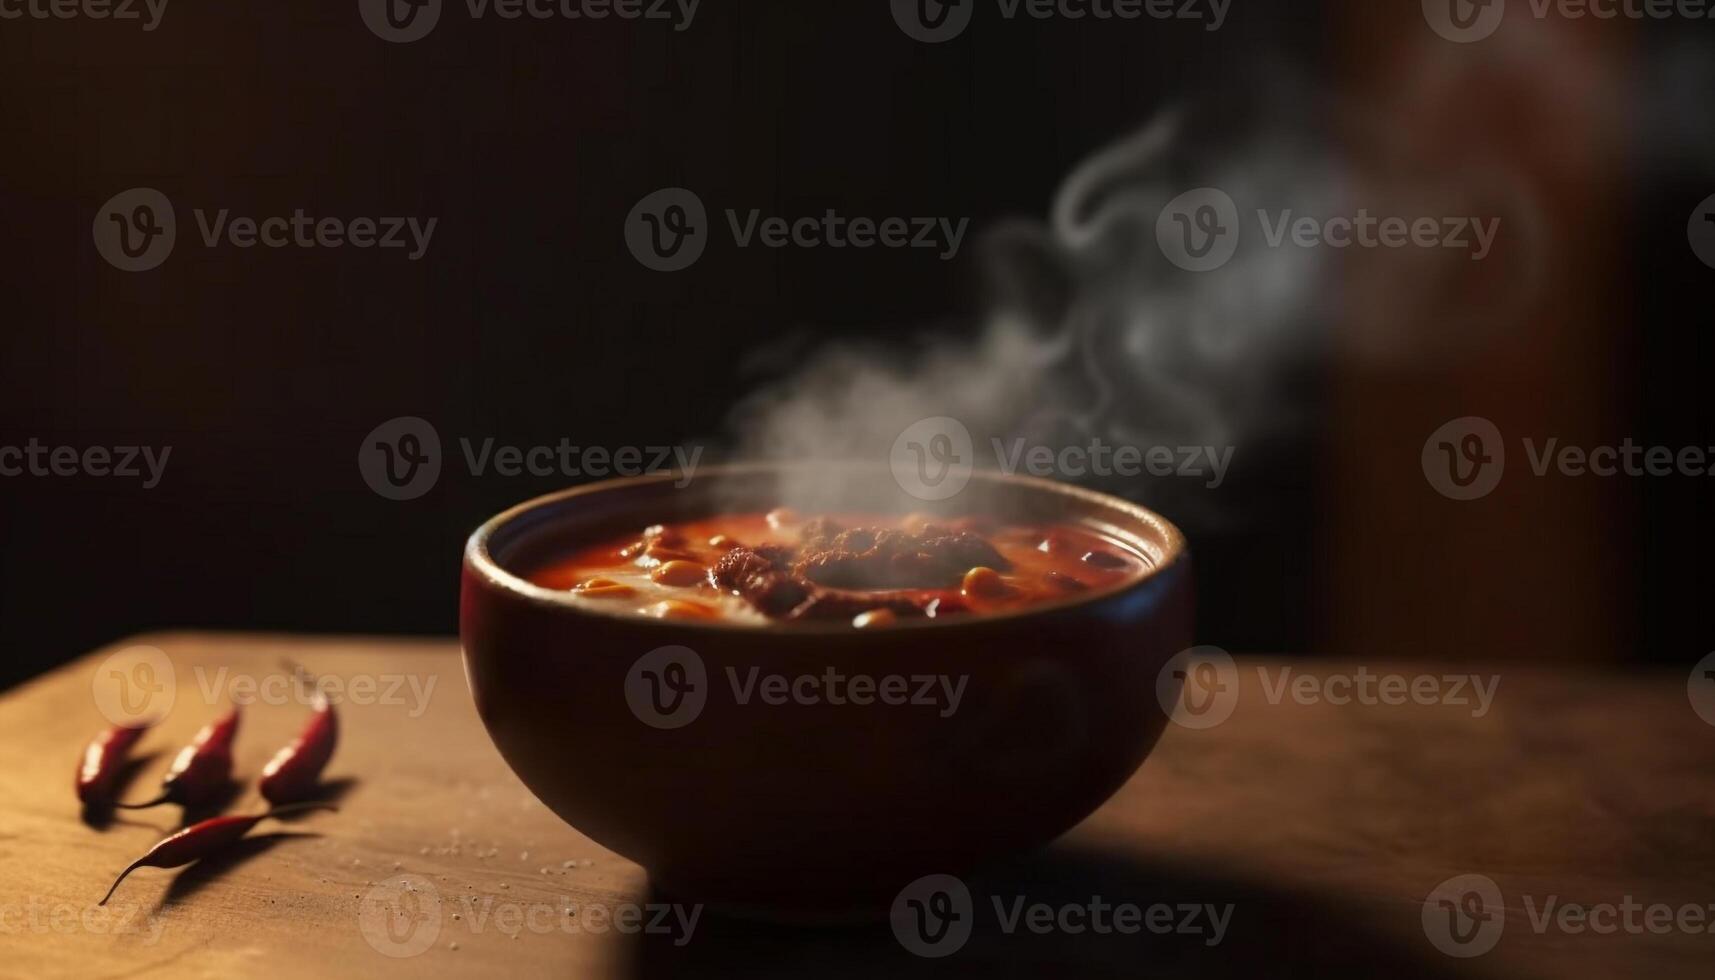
(1091, 333)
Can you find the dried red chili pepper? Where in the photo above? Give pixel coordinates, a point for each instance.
(102, 760)
(199, 840)
(295, 770)
(202, 769)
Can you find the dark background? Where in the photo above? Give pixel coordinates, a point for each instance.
(528, 320)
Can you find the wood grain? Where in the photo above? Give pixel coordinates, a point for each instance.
(1322, 826)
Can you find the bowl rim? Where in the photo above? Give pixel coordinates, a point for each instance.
(480, 561)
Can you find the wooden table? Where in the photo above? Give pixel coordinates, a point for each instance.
(1323, 827)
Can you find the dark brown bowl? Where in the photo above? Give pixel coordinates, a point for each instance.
(811, 805)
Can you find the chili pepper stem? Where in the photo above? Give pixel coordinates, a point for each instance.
(281, 810)
(157, 801)
(122, 875)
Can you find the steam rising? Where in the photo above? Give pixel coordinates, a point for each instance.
(1091, 333)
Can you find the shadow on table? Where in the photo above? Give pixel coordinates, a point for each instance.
(206, 871)
(1270, 933)
(101, 817)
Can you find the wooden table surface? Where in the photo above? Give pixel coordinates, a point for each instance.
(1321, 828)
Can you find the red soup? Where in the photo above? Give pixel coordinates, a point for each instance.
(861, 569)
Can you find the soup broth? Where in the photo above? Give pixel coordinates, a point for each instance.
(865, 570)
